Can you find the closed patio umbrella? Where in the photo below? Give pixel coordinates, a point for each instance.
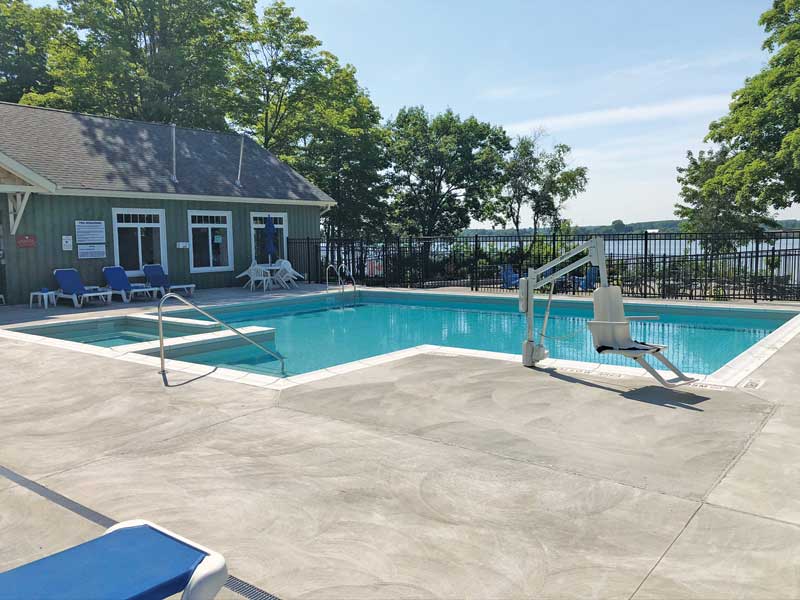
(269, 233)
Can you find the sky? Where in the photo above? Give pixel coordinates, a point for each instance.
(630, 85)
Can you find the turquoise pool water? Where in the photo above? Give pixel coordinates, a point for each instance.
(322, 333)
(111, 332)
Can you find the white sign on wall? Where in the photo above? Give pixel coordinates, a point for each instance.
(90, 232)
(66, 243)
(91, 250)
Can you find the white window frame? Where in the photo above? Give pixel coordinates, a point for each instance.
(228, 225)
(264, 215)
(162, 233)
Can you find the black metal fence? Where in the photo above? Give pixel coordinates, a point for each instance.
(648, 265)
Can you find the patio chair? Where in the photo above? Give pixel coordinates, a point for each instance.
(118, 281)
(508, 279)
(285, 276)
(72, 288)
(295, 275)
(588, 282)
(133, 560)
(611, 334)
(158, 279)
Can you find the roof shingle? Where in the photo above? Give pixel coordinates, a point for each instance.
(77, 151)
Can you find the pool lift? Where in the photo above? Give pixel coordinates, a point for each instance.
(610, 328)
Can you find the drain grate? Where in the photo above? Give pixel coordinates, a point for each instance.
(248, 590)
(752, 384)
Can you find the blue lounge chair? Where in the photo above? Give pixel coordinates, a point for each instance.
(158, 279)
(118, 281)
(509, 279)
(589, 282)
(134, 560)
(72, 288)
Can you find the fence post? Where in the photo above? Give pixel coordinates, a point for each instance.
(384, 262)
(772, 274)
(646, 264)
(664, 275)
(756, 260)
(308, 259)
(475, 282)
(401, 268)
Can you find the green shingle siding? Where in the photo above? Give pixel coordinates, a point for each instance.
(50, 217)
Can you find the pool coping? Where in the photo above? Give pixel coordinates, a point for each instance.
(732, 374)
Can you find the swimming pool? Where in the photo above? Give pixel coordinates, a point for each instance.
(110, 332)
(319, 332)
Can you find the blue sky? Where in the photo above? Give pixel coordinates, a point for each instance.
(629, 84)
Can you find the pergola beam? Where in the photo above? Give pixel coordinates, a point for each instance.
(16, 208)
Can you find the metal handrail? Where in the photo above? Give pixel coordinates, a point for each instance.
(190, 304)
(348, 273)
(336, 272)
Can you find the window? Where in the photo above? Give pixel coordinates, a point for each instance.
(210, 241)
(258, 236)
(139, 238)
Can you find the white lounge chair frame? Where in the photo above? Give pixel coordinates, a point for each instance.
(128, 295)
(611, 334)
(91, 292)
(188, 288)
(209, 576)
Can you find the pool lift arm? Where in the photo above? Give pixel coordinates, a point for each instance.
(532, 351)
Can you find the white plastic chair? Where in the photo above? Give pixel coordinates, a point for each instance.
(611, 334)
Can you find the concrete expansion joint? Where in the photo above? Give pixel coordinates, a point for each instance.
(666, 550)
(748, 443)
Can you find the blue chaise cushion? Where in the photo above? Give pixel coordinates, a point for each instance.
(133, 563)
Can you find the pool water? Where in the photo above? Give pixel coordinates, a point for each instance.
(114, 331)
(330, 332)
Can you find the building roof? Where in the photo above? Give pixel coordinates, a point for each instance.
(75, 151)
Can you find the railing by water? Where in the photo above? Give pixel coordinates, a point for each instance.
(646, 265)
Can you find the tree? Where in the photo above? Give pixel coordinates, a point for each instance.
(344, 153)
(277, 73)
(25, 33)
(618, 226)
(443, 169)
(537, 180)
(709, 207)
(761, 132)
(156, 60)
(519, 186)
(558, 185)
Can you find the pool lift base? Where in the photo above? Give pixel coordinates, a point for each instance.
(615, 330)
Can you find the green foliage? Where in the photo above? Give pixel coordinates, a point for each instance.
(709, 207)
(278, 71)
(760, 136)
(25, 33)
(344, 153)
(443, 169)
(155, 60)
(535, 179)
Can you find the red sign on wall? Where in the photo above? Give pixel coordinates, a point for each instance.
(26, 241)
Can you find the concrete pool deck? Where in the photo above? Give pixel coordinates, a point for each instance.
(433, 476)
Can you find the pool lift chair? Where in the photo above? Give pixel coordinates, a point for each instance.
(610, 329)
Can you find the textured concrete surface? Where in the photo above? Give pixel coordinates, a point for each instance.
(724, 554)
(429, 477)
(646, 437)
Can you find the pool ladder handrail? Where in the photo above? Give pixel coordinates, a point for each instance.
(191, 304)
(346, 272)
(335, 272)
